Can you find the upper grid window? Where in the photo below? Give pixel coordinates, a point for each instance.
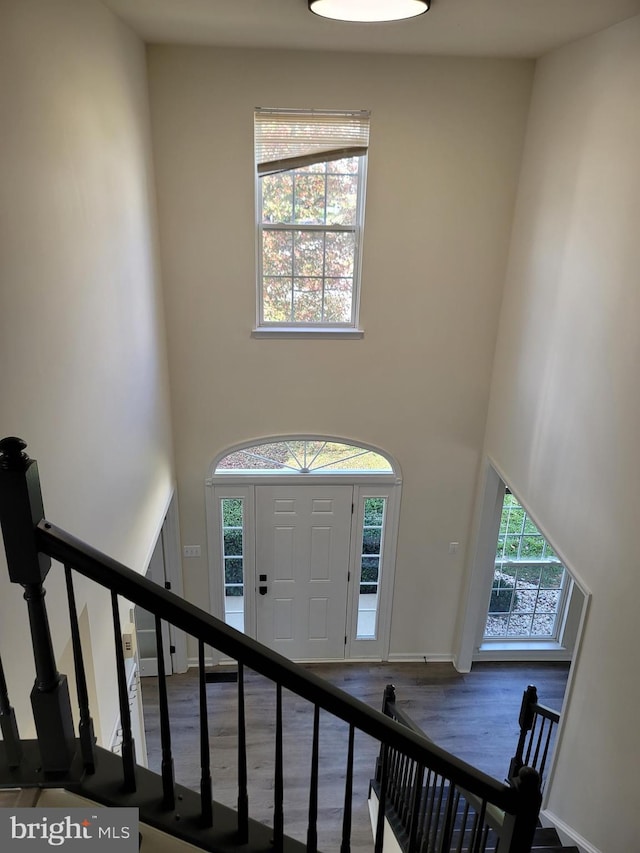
(311, 171)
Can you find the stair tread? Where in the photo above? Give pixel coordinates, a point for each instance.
(545, 836)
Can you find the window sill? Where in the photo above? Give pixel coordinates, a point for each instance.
(297, 332)
(504, 650)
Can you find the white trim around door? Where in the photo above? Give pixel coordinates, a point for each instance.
(377, 498)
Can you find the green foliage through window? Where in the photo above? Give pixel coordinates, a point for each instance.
(233, 546)
(528, 580)
(309, 243)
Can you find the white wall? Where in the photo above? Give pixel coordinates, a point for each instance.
(446, 140)
(83, 377)
(565, 410)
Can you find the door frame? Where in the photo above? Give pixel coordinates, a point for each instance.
(389, 486)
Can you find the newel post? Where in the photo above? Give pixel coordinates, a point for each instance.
(525, 721)
(523, 824)
(21, 509)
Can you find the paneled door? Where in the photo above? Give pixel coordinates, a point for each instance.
(303, 536)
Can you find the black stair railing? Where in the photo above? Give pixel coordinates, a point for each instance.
(538, 725)
(430, 812)
(58, 758)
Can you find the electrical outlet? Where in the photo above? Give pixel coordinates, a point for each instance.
(191, 551)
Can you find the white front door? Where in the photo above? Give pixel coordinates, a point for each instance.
(303, 536)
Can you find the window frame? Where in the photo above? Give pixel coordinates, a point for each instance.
(264, 328)
(519, 562)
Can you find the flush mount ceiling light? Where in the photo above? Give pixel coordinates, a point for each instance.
(368, 11)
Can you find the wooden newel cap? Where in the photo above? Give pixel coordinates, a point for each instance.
(12, 455)
(21, 510)
(528, 779)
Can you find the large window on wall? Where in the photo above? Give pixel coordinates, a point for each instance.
(529, 583)
(311, 173)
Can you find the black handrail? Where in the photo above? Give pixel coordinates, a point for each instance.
(113, 575)
(406, 755)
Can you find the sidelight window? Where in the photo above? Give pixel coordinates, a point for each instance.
(232, 512)
(370, 559)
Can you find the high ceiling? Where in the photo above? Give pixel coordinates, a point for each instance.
(509, 28)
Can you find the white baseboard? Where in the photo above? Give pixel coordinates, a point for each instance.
(567, 835)
(394, 657)
(417, 657)
(194, 662)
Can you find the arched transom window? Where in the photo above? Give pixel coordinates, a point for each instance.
(304, 456)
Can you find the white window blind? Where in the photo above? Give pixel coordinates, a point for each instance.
(292, 139)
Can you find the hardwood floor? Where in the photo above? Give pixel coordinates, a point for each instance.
(474, 716)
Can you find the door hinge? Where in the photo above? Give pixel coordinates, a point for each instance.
(167, 584)
(352, 508)
(348, 576)
(172, 650)
(345, 639)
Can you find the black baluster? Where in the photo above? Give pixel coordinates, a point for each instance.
(168, 790)
(394, 762)
(9, 725)
(532, 734)
(278, 798)
(206, 795)
(536, 755)
(424, 811)
(128, 746)
(437, 812)
(477, 846)
(382, 799)
(474, 830)
(431, 814)
(447, 829)
(463, 827)
(545, 754)
(312, 829)
(243, 796)
(345, 847)
(85, 727)
(416, 796)
(405, 788)
(21, 509)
